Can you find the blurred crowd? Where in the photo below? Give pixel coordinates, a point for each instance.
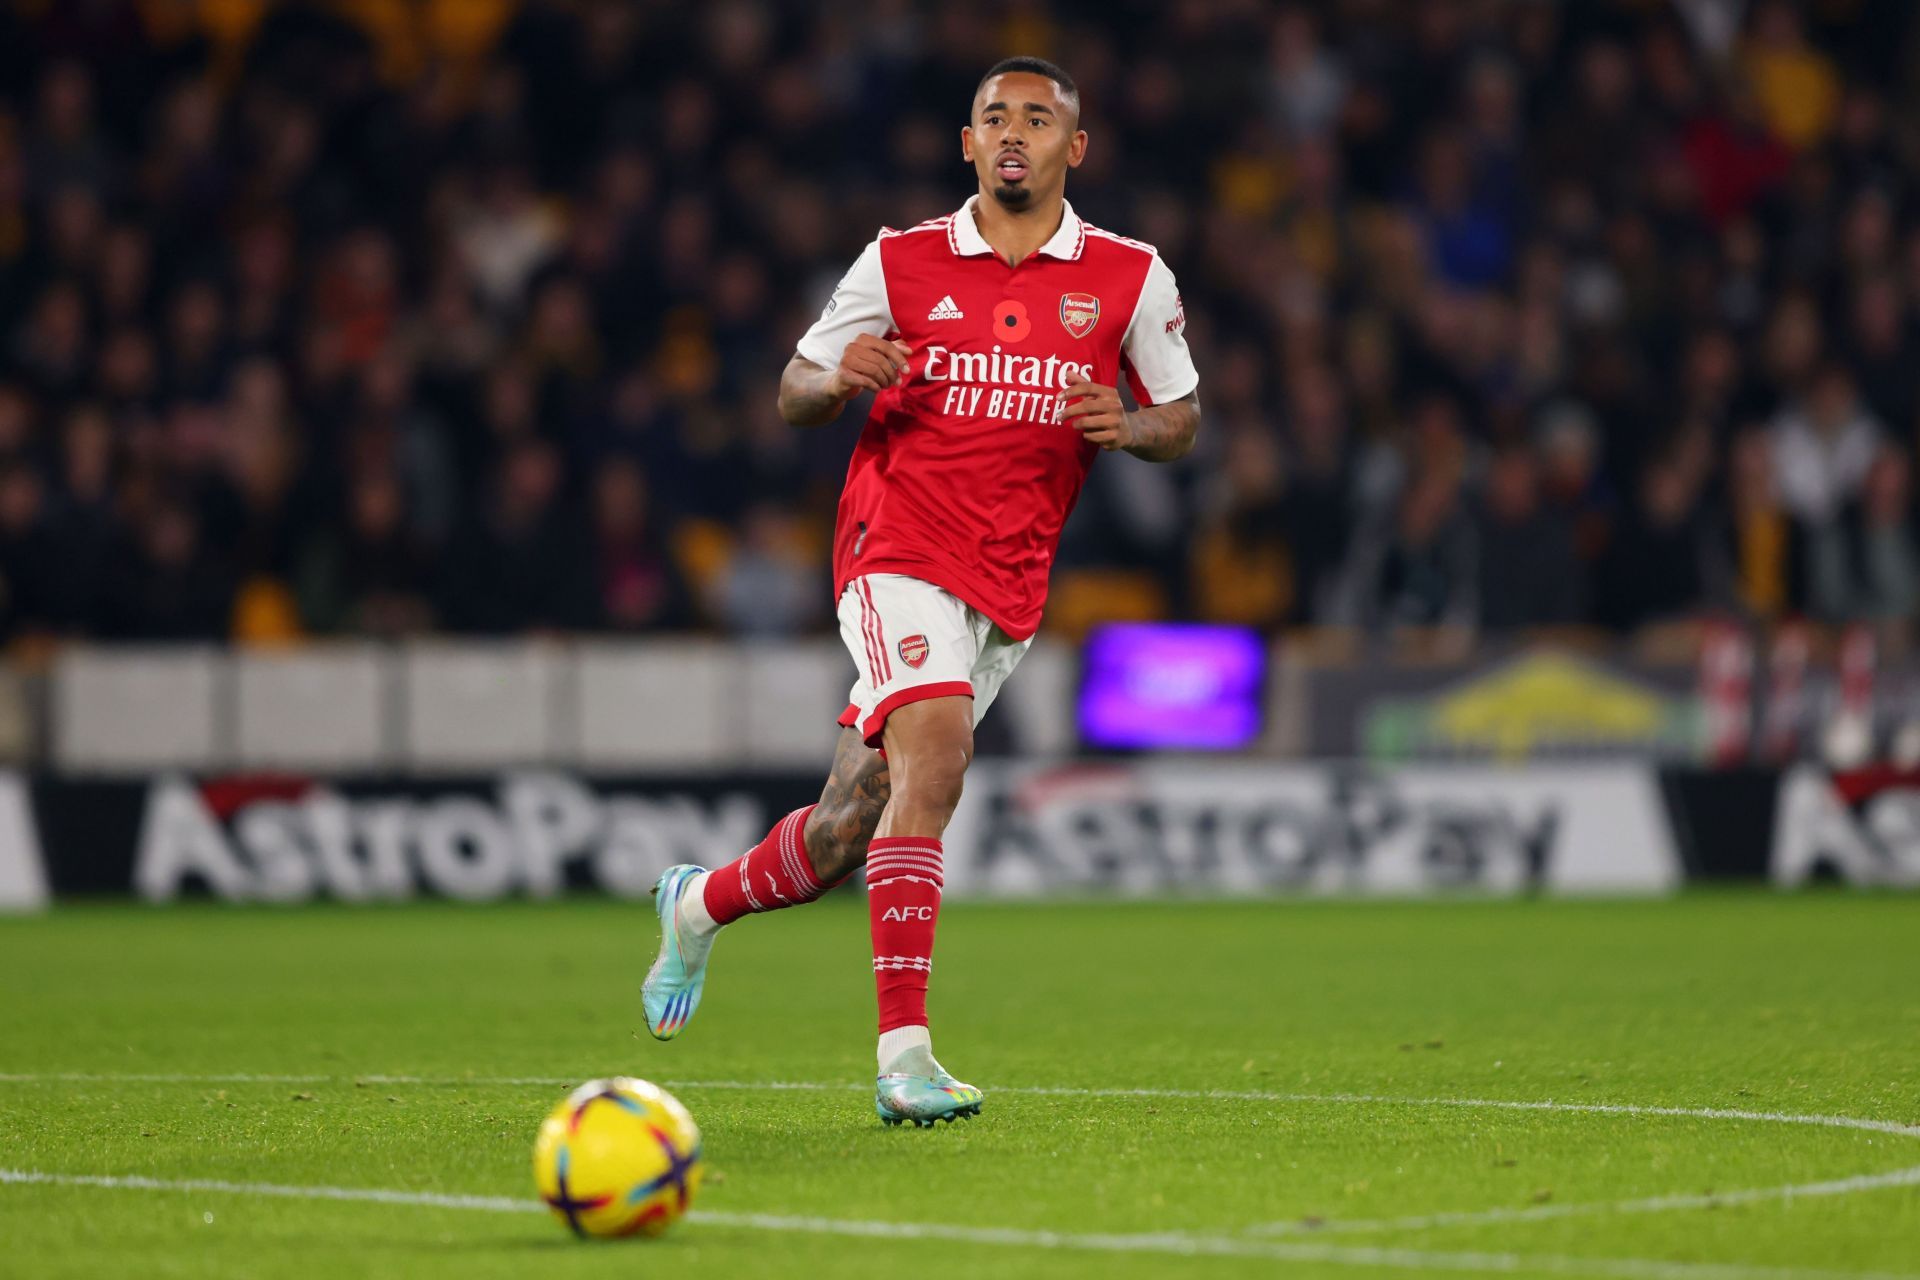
(380, 316)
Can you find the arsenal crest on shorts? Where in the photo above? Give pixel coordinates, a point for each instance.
(1079, 312)
(913, 651)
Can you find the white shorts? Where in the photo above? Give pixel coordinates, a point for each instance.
(911, 640)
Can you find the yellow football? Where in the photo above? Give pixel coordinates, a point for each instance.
(619, 1157)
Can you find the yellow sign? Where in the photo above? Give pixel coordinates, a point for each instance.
(1545, 698)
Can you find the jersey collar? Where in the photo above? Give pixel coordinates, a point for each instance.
(964, 238)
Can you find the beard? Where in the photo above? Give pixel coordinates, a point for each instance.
(1013, 195)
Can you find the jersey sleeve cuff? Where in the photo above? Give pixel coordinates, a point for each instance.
(817, 354)
(1173, 391)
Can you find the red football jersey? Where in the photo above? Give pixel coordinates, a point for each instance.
(965, 473)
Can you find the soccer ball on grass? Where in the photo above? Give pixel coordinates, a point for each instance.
(619, 1157)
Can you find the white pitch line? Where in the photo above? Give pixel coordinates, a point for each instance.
(1648, 1204)
(1894, 1127)
(143, 1077)
(369, 1195)
(1166, 1244)
(1501, 1104)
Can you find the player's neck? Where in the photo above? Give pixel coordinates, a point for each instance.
(1017, 235)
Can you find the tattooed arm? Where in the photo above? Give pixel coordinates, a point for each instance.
(1157, 433)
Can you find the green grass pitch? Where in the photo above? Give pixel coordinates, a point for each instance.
(1352, 1047)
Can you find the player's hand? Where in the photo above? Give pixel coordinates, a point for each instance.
(869, 364)
(1096, 412)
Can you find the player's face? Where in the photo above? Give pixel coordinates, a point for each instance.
(1024, 137)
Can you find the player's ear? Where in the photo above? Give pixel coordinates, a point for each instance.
(966, 143)
(1077, 149)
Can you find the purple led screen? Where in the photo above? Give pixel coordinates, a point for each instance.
(1155, 685)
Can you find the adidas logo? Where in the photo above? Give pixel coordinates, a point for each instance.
(946, 309)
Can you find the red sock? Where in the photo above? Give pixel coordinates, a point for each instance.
(903, 906)
(773, 874)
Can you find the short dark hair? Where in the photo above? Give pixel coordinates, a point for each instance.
(1033, 66)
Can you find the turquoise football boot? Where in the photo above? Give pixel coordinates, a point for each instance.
(919, 1089)
(671, 992)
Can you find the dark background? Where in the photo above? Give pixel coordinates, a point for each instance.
(382, 317)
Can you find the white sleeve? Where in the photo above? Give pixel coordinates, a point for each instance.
(858, 305)
(1156, 343)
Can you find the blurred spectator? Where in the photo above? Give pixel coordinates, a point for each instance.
(1735, 160)
(1243, 569)
(1880, 336)
(66, 149)
(50, 349)
(81, 518)
(1866, 564)
(1306, 84)
(1419, 566)
(1756, 553)
(1823, 446)
(524, 561)
(1572, 485)
(369, 572)
(504, 233)
(1319, 511)
(769, 586)
(1796, 84)
(1656, 569)
(640, 586)
(29, 564)
(167, 586)
(1467, 233)
(1527, 551)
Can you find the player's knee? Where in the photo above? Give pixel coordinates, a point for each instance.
(936, 789)
(932, 769)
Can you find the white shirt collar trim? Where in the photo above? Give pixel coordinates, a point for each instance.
(964, 238)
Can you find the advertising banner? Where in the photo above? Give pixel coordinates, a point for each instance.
(286, 839)
(1025, 829)
(23, 881)
(1150, 828)
(1860, 828)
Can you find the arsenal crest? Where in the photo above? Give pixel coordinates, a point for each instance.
(1079, 312)
(913, 651)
